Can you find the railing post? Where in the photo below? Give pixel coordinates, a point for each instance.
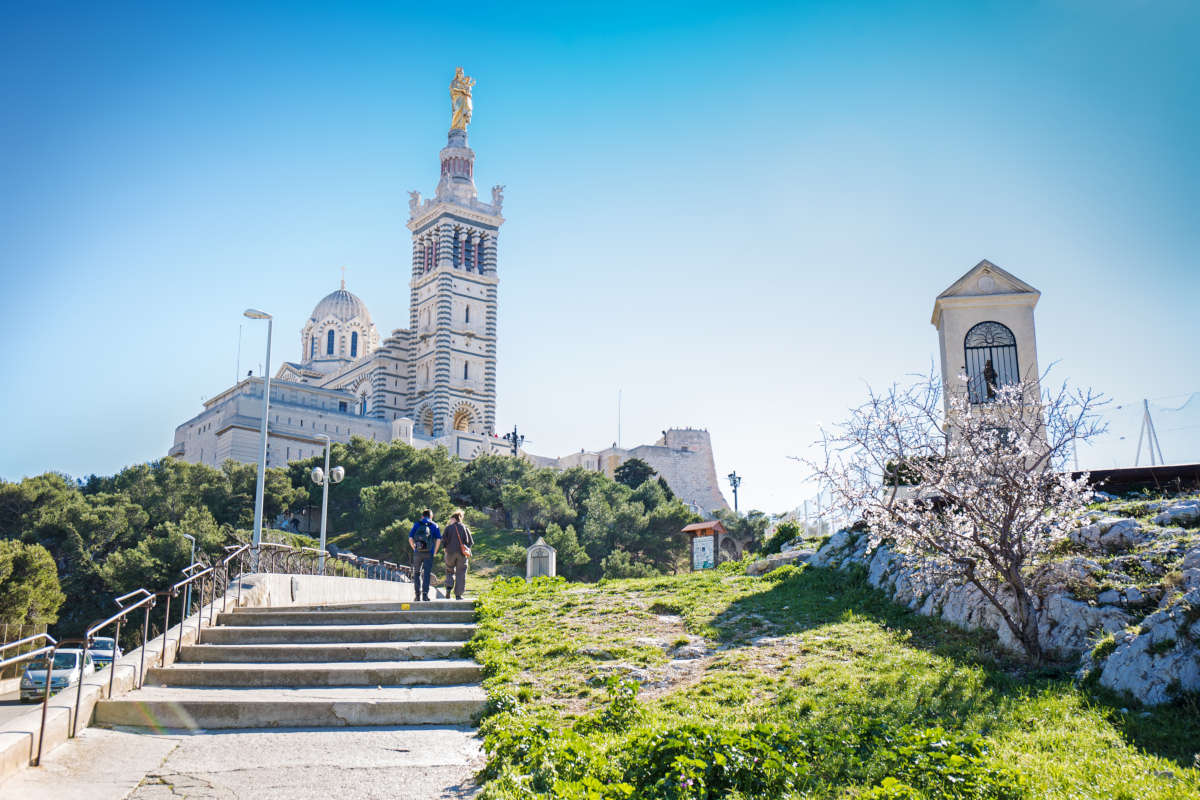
(112, 668)
(162, 656)
(145, 637)
(37, 761)
(79, 691)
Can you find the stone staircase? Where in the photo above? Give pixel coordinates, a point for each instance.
(314, 667)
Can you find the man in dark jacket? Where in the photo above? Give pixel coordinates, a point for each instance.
(457, 544)
(424, 539)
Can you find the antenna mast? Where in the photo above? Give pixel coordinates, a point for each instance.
(1151, 436)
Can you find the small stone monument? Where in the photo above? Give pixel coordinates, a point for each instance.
(540, 559)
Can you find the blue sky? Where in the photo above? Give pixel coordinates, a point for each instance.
(738, 216)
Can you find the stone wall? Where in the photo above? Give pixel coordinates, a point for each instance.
(682, 456)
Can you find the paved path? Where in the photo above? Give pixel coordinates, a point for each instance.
(373, 692)
(422, 763)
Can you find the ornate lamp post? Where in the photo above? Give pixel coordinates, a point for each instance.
(735, 481)
(514, 440)
(256, 541)
(322, 478)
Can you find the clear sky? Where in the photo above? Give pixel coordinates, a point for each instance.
(737, 214)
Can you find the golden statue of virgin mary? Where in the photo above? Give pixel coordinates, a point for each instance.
(460, 100)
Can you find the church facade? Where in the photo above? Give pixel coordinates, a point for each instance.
(429, 384)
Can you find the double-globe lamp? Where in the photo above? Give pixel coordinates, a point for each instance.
(322, 478)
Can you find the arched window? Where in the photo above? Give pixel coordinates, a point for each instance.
(329, 342)
(466, 370)
(991, 352)
(362, 405)
(313, 347)
(354, 344)
(467, 314)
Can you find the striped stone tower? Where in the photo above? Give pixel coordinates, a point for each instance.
(452, 372)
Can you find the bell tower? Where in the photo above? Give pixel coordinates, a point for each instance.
(452, 370)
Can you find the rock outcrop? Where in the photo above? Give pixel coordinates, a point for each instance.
(1134, 581)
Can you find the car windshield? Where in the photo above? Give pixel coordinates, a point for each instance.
(64, 661)
(103, 644)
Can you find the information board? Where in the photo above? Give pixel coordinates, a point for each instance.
(702, 552)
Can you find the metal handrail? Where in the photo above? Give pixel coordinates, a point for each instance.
(51, 649)
(147, 600)
(271, 557)
(192, 575)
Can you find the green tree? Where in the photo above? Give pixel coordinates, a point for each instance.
(29, 590)
(620, 564)
(483, 480)
(634, 472)
(569, 553)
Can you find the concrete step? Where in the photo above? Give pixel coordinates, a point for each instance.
(417, 616)
(380, 605)
(329, 634)
(316, 653)
(442, 672)
(332, 707)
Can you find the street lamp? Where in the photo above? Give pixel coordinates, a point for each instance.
(256, 541)
(515, 440)
(187, 603)
(335, 475)
(735, 481)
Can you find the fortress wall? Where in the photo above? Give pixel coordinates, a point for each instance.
(684, 458)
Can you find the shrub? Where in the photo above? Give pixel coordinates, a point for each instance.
(785, 532)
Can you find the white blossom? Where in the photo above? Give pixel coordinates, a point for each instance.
(974, 492)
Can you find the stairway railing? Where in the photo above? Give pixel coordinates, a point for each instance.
(210, 579)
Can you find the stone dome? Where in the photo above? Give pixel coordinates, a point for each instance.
(341, 305)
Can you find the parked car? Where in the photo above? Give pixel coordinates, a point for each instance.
(69, 668)
(104, 650)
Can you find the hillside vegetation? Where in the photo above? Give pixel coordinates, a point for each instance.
(107, 535)
(804, 683)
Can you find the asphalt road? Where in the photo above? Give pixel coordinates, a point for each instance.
(11, 706)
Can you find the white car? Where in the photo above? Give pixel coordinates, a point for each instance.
(104, 650)
(69, 668)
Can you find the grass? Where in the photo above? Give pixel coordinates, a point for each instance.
(820, 651)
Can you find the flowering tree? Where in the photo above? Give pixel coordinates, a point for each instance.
(972, 492)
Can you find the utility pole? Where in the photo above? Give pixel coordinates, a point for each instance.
(1150, 435)
(735, 481)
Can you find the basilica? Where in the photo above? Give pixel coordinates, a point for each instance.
(429, 384)
(432, 384)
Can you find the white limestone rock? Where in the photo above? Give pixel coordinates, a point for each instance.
(1186, 512)
(1164, 656)
(833, 552)
(1067, 626)
(1111, 534)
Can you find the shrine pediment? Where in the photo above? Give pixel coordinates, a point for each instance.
(984, 280)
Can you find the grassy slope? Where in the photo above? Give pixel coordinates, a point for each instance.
(834, 653)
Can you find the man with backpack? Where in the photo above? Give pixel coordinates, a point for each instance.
(457, 546)
(424, 539)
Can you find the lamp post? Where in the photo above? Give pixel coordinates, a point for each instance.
(187, 603)
(324, 477)
(256, 541)
(515, 440)
(735, 481)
